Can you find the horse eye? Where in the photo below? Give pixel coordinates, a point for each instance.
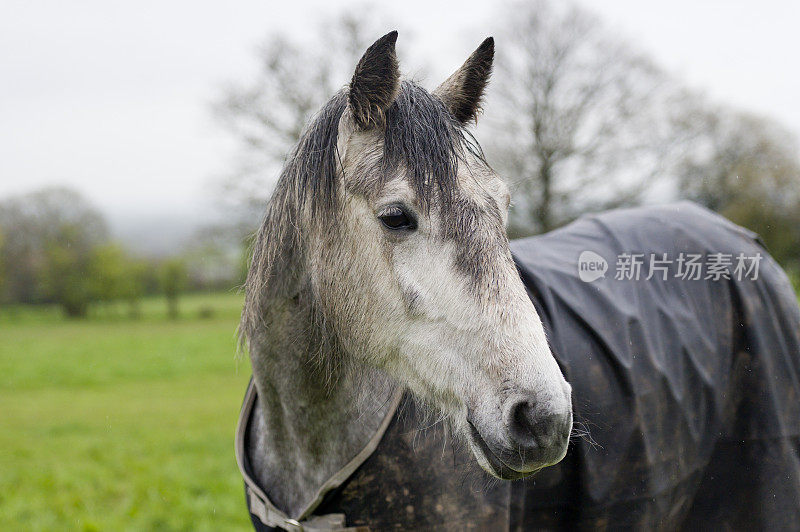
(396, 218)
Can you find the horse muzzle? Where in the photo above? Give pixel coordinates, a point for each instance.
(533, 436)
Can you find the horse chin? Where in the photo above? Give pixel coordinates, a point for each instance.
(490, 462)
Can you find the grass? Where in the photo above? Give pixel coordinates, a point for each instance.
(114, 424)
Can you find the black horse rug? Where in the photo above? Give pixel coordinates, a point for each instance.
(680, 336)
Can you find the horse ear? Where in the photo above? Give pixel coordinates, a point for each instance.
(463, 90)
(375, 83)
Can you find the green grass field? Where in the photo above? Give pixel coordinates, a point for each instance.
(118, 424)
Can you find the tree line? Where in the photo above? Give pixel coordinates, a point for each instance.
(55, 248)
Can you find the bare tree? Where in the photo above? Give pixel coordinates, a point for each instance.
(579, 120)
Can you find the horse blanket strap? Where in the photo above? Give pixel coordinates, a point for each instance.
(262, 508)
(268, 513)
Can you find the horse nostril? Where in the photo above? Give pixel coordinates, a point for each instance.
(523, 423)
(529, 427)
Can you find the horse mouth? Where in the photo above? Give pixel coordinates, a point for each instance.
(496, 466)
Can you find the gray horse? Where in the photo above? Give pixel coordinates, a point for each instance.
(382, 265)
(383, 259)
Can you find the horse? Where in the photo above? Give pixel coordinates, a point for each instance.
(389, 320)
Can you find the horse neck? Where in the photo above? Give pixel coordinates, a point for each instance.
(312, 417)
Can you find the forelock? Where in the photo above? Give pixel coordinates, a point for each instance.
(424, 139)
(421, 140)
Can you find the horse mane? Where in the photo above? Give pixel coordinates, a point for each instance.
(421, 136)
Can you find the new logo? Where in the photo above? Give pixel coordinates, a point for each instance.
(591, 266)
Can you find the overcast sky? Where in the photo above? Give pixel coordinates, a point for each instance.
(113, 98)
